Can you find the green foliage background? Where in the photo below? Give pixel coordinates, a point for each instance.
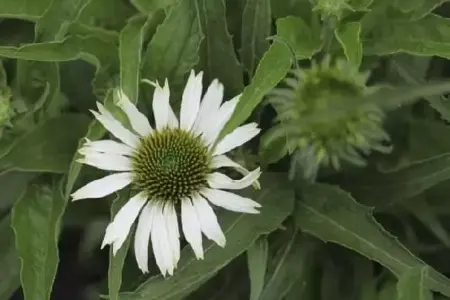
(379, 232)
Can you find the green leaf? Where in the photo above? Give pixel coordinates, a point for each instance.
(49, 147)
(10, 274)
(384, 189)
(426, 7)
(241, 231)
(130, 47)
(13, 184)
(36, 220)
(272, 68)
(291, 267)
(348, 35)
(173, 50)
(58, 16)
(219, 58)
(257, 256)
(256, 27)
(425, 37)
(150, 6)
(297, 34)
(412, 285)
(332, 215)
(23, 9)
(117, 261)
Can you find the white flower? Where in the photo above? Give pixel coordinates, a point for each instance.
(171, 166)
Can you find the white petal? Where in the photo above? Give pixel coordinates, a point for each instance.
(164, 115)
(220, 181)
(108, 162)
(208, 220)
(225, 112)
(173, 235)
(209, 108)
(117, 231)
(102, 187)
(231, 201)
(115, 127)
(190, 103)
(191, 227)
(138, 121)
(221, 161)
(106, 146)
(142, 237)
(161, 246)
(236, 138)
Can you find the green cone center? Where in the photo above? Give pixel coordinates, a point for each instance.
(170, 164)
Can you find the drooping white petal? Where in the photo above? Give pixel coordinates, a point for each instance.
(231, 201)
(221, 161)
(108, 162)
(191, 227)
(115, 127)
(190, 102)
(225, 112)
(237, 137)
(106, 146)
(138, 121)
(209, 108)
(142, 237)
(218, 180)
(117, 231)
(208, 220)
(102, 187)
(173, 235)
(164, 115)
(161, 246)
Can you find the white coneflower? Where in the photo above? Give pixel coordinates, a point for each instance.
(170, 166)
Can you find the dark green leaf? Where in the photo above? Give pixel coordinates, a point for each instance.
(36, 220)
(219, 58)
(333, 215)
(10, 274)
(166, 58)
(23, 9)
(241, 232)
(272, 68)
(348, 35)
(49, 147)
(13, 184)
(150, 6)
(117, 261)
(291, 267)
(256, 27)
(257, 256)
(412, 285)
(426, 7)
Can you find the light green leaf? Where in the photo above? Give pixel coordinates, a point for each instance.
(299, 36)
(412, 285)
(130, 47)
(23, 9)
(117, 261)
(256, 27)
(406, 6)
(47, 148)
(150, 6)
(425, 37)
(36, 220)
(219, 59)
(241, 231)
(332, 215)
(383, 189)
(348, 35)
(291, 267)
(10, 274)
(257, 256)
(173, 50)
(54, 23)
(272, 68)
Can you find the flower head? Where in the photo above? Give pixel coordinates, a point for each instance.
(171, 166)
